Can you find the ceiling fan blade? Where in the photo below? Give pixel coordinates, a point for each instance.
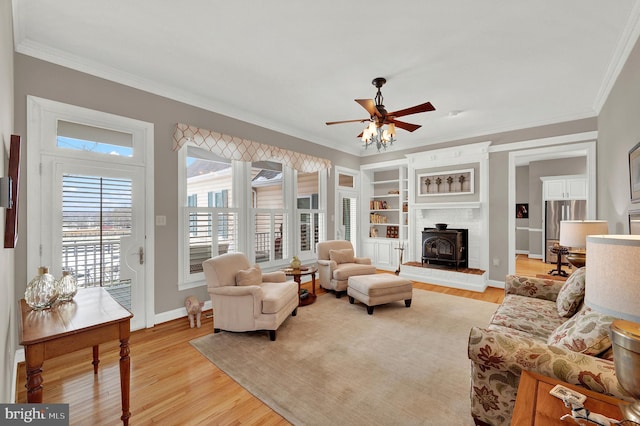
(406, 126)
(370, 106)
(414, 110)
(361, 120)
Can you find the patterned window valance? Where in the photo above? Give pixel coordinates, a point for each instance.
(234, 148)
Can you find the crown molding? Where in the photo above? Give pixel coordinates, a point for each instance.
(626, 43)
(74, 62)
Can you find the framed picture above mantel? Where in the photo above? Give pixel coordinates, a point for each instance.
(453, 182)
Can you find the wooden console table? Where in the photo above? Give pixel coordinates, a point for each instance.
(535, 406)
(91, 318)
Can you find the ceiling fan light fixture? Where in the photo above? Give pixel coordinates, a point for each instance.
(374, 132)
(378, 137)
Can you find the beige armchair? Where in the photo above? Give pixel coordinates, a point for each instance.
(337, 262)
(244, 298)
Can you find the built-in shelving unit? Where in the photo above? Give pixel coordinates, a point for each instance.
(385, 207)
(386, 194)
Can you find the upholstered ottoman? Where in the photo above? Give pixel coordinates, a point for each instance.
(378, 289)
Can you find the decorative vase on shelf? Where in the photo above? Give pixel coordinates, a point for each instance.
(67, 287)
(42, 290)
(295, 263)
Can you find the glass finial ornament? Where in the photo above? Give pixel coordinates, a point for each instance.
(42, 290)
(67, 287)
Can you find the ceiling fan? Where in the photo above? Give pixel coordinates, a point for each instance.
(379, 117)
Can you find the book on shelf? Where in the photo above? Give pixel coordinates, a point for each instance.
(378, 205)
(377, 218)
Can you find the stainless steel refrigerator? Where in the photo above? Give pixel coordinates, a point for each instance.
(556, 211)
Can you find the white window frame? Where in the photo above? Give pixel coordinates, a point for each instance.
(188, 280)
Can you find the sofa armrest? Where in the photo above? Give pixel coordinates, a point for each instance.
(237, 290)
(362, 260)
(325, 270)
(495, 351)
(274, 277)
(538, 288)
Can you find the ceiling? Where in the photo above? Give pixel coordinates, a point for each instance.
(288, 65)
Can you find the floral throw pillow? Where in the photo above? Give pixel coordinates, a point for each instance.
(571, 294)
(251, 276)
(587, 332)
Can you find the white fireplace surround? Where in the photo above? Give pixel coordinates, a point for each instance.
(473, 216)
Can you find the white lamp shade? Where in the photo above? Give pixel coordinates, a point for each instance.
(573, 233)
(612, 283)
(392, 129)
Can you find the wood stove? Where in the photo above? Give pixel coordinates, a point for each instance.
(445, 247)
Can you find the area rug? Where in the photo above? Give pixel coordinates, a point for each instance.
(333, 364)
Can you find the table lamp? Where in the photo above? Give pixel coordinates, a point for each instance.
(613, 288)
(573, 235)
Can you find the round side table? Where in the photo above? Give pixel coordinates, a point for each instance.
(297, 275)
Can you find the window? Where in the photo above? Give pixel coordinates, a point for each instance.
(264, 209)
(347, 189)
(93, 139)
(212, 230)
(269, 211)
(308, 213)
(96, 214)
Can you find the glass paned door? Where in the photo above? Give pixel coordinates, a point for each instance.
(96, 228)
(347, 228)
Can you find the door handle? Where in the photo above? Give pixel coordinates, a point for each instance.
(141, 255)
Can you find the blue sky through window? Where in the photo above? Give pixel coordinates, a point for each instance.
(97, 147)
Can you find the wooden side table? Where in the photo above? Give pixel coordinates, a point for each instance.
(536, 407)
(297, 275)
(91, 318)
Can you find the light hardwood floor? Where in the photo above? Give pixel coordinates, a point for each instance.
(171, 383)
(533, 267)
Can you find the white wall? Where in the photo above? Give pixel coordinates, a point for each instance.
(7, 268)
(618, 132)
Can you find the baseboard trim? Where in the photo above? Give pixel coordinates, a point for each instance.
(494, 283)
(177, 313)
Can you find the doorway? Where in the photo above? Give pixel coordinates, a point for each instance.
(90, 201)
(346, 223)
(580, 145)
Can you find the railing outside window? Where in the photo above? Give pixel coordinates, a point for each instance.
(203, 243)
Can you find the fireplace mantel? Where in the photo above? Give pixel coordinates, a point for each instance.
(471, 212)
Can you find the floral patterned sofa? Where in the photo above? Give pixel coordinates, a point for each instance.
(541, 326)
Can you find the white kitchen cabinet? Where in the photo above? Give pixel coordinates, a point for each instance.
(565, 187)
